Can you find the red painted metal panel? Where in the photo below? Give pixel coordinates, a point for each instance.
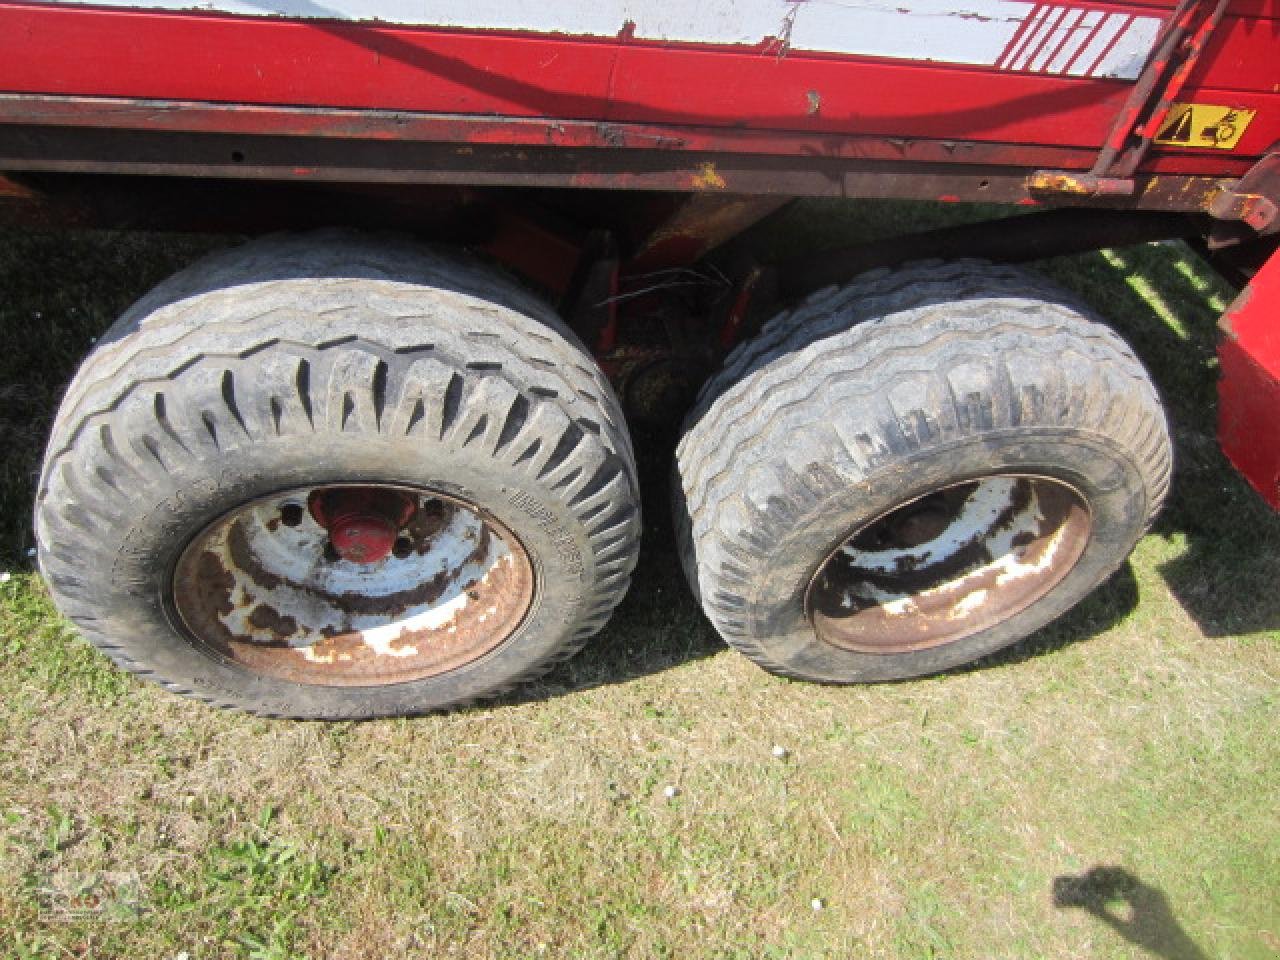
(92, 51)
(269, 61)
(1255, 8)
(909, 100)
(133, 54)
(1242, 55)
(1249, 390)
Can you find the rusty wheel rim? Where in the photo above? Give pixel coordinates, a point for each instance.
(264, 587)
(949, 564)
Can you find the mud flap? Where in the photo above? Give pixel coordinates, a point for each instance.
(1249, 388)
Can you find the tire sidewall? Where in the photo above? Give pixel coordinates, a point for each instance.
(1108, 480)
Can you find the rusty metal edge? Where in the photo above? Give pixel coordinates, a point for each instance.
(301, 159)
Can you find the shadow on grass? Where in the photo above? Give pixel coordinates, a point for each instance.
(1166, 301)
(59, 291)
(659, 625)
(1136, 911)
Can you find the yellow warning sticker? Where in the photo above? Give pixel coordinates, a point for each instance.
(1204, 125)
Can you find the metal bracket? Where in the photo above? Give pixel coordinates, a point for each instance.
(1067, 184)
(1254, 198)
(1248, 208)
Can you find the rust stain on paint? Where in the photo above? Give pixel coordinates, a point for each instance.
(708, 178)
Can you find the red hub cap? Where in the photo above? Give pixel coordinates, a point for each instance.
(363, 522)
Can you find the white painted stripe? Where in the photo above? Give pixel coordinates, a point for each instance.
(1115, 23)
(1128, 55)
(1080, 37)
(1060, 34)
(935, 30)
(1049, 22)
(966, 32)
(1014, 52)
(1068, 38)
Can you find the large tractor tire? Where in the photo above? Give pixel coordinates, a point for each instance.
(327, 476)
(912, 471)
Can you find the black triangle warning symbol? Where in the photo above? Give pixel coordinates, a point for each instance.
(1179, 129)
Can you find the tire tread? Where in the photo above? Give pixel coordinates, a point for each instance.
(907, 357)
(188, 373)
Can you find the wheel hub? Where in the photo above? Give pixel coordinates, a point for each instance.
(949, 564)
(363, 586)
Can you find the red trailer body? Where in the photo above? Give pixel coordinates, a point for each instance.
(667, 130)
(1038, 91)
(994, 100)
(1029, 86)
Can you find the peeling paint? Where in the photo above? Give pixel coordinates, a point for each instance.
(949, 564)
(274, 597)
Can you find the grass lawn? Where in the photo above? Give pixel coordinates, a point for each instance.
(1108, 789)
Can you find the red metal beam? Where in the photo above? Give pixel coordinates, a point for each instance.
(186, 116)
(181, 116)
(54, 149)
